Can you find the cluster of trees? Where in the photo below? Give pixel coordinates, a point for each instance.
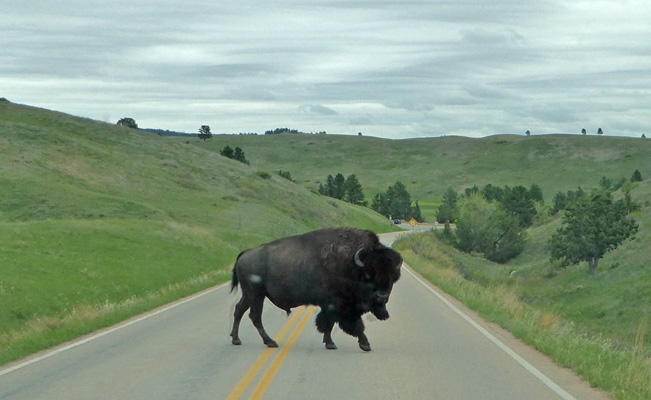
(279, 131)
(583, 132)
(347, 189)
(396, 202)
(563, 201)
(128, 122)
(237, 154)
(487, 227)
(491, 220)
(599, 131)
(518, 201)
(285, 174)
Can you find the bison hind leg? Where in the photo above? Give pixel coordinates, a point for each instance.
(256, 317)
(324, 324)
(241, 307)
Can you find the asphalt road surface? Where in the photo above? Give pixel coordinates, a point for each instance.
(432, 347)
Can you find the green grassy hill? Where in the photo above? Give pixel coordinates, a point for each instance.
(429, 166)
(98, 222)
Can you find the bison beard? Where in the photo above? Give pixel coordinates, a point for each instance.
(345, 271)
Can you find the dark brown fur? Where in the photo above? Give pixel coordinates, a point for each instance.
(318, 268)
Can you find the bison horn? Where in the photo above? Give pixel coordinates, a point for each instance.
(358, 261)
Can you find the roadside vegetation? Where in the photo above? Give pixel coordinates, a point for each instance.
(622, 368)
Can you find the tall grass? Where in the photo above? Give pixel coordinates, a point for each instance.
(625, 373)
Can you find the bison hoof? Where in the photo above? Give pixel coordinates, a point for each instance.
(381, 313)
(237, 341)
(272, 344)
(331, 346)
(365, 347)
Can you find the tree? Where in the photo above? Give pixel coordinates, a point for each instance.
(339, 187)
(204, 133)
(399, 201)
(536, 194)
(353, 191)
(527, 133)
(559, 202)
(416, 213)
(470, 191)
(285, 174)
(347, 189)
(562, 200)
(227, 151)
(238, 155)
(396, 203)
(489, 229)
(592, 226)
(380, 204)
(637, 176)
(606, 183)
(326, 189)
(630, 204)
(492, 193)
(584, 132)
(128, 122)
(448, 209)
(517, 201)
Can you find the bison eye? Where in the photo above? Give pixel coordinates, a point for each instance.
(368, 277)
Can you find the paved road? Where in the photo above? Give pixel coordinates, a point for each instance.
(429, 349)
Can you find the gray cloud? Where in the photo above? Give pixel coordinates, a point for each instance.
(387, 68)
(317, 109)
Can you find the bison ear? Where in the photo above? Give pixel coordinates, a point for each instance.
(358, 260)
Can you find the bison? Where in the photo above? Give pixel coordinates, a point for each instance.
(345, 271)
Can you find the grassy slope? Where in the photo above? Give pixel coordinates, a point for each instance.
(615, 302)
(99, 221)
(429, 166)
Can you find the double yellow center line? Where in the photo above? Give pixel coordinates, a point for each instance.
(275, 364)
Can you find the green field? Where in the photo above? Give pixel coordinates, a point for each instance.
(100, 222)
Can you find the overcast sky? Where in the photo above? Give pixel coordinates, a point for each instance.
(393, 69)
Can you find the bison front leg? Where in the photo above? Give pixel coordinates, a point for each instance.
(256, 317)
(324, 324)
(355, 327)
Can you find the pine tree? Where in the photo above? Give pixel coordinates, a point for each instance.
(353, 191)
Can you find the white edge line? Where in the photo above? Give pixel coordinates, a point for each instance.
(108, 331)
(532, 370)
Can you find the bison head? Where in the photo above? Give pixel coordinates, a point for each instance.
(377, 269)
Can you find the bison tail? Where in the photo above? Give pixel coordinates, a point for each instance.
(234, 280)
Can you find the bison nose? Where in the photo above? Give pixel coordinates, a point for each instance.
(382, 297)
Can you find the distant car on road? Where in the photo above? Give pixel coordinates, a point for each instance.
(396, 222)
